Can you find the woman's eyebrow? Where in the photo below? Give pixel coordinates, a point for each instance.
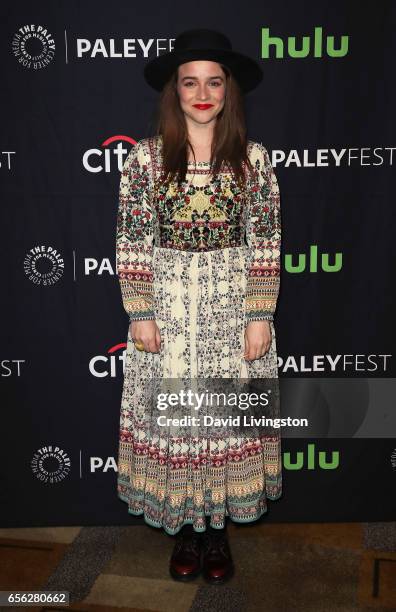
(209, 78)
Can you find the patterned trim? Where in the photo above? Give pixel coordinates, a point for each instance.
(134, 237)
(263, 233)
(258, 315)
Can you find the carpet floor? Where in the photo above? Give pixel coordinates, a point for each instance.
(321, 567)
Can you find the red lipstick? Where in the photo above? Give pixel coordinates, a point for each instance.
(202, 106)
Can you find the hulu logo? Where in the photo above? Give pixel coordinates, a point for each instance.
(312, 261)
(305, 47)
(311, 460)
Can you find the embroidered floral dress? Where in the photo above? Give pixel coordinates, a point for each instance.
(203, 260)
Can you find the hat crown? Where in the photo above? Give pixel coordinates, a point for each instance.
(202, 39)
(203, 45)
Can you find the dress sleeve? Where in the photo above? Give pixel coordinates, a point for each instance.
(134, 243)
(263, 236)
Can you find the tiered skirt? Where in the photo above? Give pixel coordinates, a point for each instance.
(178, 475)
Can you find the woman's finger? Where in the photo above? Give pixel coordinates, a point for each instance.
(151, 346)
(158, 339)
(246, 353)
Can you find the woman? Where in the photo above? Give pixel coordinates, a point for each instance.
(198, 260)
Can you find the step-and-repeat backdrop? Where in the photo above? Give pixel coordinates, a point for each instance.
(74, 101)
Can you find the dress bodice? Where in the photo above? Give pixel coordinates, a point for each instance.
(204, 213)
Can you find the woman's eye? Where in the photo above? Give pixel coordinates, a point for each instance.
(212, 83)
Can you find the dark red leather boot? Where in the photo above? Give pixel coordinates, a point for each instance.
(218, 565)
(185, 562)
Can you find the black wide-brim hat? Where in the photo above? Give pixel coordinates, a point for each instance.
(203, 45)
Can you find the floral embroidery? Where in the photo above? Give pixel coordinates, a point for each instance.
(202, 214)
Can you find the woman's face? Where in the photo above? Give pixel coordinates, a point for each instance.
(201, 86)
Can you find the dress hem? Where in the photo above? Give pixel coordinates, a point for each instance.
(191, 522)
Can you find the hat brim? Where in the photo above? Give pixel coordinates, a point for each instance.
(245, 70)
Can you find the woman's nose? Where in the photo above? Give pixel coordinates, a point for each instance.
(202, 92)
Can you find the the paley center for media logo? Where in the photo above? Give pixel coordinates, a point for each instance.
(50, 464)
(33, 46)
(43, 265)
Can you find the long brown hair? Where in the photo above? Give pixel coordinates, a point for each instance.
(229, 144)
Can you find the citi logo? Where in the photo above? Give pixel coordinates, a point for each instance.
(308, 460)
(313, 262)
(103, 366)
(306, 47)
(104, 159)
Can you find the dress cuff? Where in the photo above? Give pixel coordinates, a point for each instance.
(147, 315)
(259, 315)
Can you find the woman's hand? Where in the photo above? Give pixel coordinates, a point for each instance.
(257, 339)
(148, 334)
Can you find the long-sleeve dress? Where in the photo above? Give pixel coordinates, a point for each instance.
(203, 260)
